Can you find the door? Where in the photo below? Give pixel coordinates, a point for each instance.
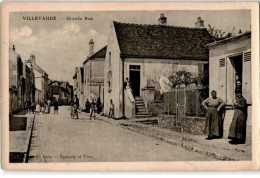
(134, 77)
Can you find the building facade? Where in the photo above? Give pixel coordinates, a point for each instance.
(41, 80)
(78, 86)
(94, 74)
(229, 62)
(146, 53)
(61, 91)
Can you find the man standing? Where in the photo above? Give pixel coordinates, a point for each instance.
(92, 109)
(111, 109)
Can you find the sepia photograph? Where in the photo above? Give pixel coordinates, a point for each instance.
(130, 86)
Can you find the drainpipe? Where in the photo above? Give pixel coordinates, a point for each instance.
(123, 93)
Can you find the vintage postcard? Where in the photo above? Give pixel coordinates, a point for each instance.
(130, 86)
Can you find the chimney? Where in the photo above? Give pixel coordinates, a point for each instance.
(13, 48)
(199, 23)
(32, 59)
(76, 70)
(91, 47)
(162, 20)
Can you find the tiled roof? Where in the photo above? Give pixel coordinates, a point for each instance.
(162, 41)
(230, 39)
(99, 54)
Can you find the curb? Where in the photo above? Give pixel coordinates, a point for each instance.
(173, 142)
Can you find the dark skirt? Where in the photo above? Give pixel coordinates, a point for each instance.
(56, 107)
(213, 124)
(237, 129)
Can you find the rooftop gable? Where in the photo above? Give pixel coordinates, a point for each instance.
(99, 54)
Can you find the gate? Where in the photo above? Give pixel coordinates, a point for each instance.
(180, 106)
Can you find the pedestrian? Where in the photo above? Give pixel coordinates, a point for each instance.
(237, 129)
(213, 124)
(111, 109)
(56, 106)
(49, 106)
(98, 105)
(238, 86)
(87, 105)
(38, 108)
(28, 105)
(32, 107)
(92, 109)
(76, 106)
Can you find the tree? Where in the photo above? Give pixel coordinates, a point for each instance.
(182, 77)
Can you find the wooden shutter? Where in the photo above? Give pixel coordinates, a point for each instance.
(246, 77)
(222, 90)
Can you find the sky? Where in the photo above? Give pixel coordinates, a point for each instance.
(61, 45)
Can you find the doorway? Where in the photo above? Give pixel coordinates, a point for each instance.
(134, 77)
(237, 65)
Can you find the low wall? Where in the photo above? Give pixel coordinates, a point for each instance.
(192, 125)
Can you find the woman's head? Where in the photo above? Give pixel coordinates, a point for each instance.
(213, 94)
(238, 82)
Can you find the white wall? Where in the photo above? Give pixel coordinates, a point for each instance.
(152, 69)
(221, 78)
(116, 68)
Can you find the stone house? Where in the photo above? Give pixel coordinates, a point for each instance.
(78, 87)
(61, 91)
(146, 53)
(94, 74)
(16, 81)
(229, 62)
(41, 80)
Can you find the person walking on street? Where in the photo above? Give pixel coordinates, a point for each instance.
(76, 106)
(213, 122)
(87, 105)
(56, 106)
(28, 104)
(111, 109)
(237, 129)
(49, 106)
(92, 109)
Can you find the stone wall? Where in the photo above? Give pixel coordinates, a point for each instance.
(192, 125)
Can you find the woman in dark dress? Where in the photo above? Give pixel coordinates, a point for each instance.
(213, 122)
(237, 129)
(56, 106)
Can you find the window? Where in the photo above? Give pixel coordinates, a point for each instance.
(134, 67)
(222, 62)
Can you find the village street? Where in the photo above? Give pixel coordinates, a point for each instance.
(58, 138)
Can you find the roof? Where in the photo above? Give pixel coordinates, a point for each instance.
(162, 41)
(230, 39)
(99, 54)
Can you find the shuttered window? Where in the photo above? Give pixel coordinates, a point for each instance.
(222, 62)
(247, 56)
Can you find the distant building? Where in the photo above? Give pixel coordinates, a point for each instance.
(78, 87)
(143, 54)
(94, 74)
(41, 80)
(61, 91)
